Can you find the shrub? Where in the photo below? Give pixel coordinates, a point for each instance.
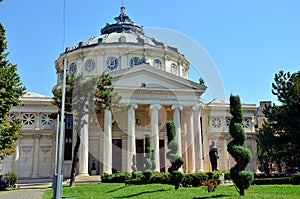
(11, 178)
(214, 174)
(133, 166)
(270, 181)
(235, 147)
(211, 185)
(176, 178)
(187, 181)
(118, 177)
(175, 160)
(162, 178)
(227, 176)
(296, 178)
(195, 179)
(148, 160)
(136, 181)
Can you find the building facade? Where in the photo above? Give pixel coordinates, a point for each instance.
(152, 77)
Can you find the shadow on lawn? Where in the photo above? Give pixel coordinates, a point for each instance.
(216, 196)
(115, 189)
(137, 194)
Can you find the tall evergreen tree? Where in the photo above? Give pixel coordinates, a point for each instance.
(283, 121)
(11, 90)
(235, 147)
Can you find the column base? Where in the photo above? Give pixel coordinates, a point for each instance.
(83, 174)
(200, 170)
(34, 176)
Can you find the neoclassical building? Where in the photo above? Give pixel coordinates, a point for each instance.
(152, 77)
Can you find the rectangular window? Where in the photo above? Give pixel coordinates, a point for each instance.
(117, 155)
(139, 143)
(162, 158)
(68, 137)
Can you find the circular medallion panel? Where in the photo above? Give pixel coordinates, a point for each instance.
(89, 65)
(134, 61)
(72, 68)
(112, 63)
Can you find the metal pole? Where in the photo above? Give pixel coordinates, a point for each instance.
(56, 145)
(54, 179)
(59, 163)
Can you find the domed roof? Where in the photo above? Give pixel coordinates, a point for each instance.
(124, 31)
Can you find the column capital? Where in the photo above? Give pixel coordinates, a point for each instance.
(176, 106)
(155, 106)
(134, 106)
(197, 107)
(37, 135)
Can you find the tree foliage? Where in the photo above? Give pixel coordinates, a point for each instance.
(175, 160)
(11, 90)
(85, 94)
(279, 137)
(235, 147)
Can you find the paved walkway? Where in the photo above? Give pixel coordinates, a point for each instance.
(28, 193)
(34, 189)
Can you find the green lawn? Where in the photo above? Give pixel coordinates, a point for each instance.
(159, 191)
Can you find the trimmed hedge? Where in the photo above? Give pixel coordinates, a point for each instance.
(118, 177)
(270, 181)
(195, 179)
(296, 178)
(162, 178)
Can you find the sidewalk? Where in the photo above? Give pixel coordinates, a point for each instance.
(34, 188)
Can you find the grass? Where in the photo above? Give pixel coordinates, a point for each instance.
(159, 191)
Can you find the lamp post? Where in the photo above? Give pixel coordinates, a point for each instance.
(58, 176)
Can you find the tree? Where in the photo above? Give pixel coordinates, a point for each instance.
(11, 90)
(241, 154)
(175, 160)
(85, 94)
(283, 121)
(268, 147)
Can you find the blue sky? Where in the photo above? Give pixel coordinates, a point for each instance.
(248, 40)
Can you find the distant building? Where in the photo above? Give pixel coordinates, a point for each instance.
(151, 76)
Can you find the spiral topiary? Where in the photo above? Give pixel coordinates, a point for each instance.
(133, 166)
(242, 155)
(175, 160)
(147, 160)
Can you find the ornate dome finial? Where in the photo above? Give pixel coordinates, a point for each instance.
(123, 24)
(123, 17)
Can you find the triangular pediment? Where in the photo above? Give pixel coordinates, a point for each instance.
(148, 77)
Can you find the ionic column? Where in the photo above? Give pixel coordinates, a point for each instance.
(198, 138)
(17, 158)
(176, 117)
(190, 142)
(107, 144)
(154, 131)
(131, 136)
(36, 156)
(84, 146)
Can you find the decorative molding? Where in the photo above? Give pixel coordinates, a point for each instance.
(46, 149)
(26, 149)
